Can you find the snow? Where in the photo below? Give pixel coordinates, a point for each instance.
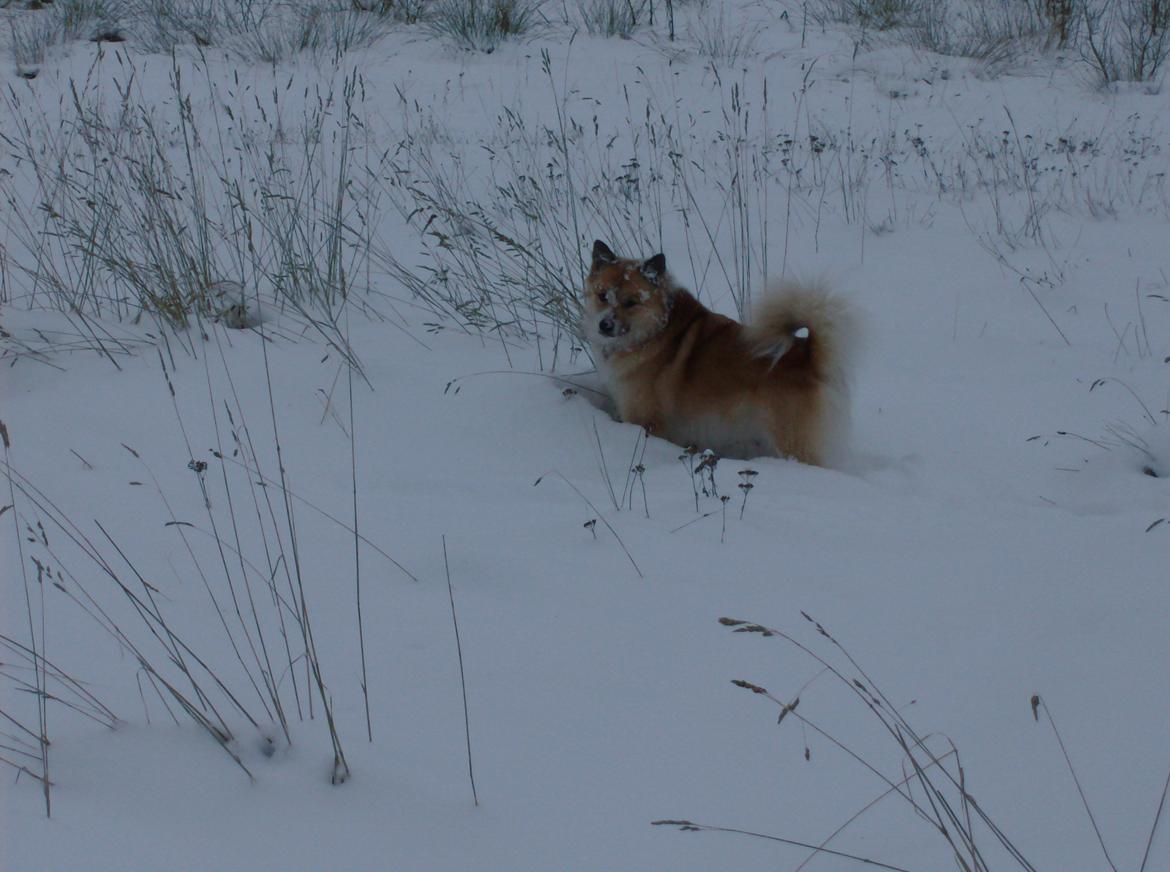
(965, 564)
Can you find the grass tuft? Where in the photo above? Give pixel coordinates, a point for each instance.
(612, 18)
(482, 25)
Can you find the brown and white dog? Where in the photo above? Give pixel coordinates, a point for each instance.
(775, 386)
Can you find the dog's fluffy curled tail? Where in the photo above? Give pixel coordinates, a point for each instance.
(789, 308)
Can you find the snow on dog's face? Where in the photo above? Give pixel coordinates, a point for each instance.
(626, 301)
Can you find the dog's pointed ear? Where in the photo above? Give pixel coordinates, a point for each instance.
(602, 256)
(654, 268)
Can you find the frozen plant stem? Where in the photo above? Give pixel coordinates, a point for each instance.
(462, 677)
(692, 827)
(1039, 704)
(40, 675)
(341, 771)
(746, 485)
(947, 806)
(685, 460)
(705, 471)
(357, 564)
(1154, 827)
(608, 525)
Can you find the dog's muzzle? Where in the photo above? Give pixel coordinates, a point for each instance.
(606, 327)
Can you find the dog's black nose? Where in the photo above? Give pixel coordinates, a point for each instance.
(606, 326)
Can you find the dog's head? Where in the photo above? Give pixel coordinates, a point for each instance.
(626, 301)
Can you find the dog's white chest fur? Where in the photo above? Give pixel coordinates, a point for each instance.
(740, 433)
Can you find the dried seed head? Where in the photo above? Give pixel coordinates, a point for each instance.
(790, 707)
(708, 461)
(754, 628)
(685, 826)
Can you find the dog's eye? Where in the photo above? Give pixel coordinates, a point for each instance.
(629, 304)
(602, 298)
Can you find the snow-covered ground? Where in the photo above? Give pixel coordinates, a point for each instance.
(1004, 238)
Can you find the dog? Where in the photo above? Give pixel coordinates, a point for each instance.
(776, 386)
